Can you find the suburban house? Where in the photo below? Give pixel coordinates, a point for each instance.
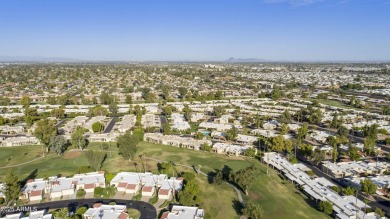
(11, 130)
(175, 140)
(102, 137)
(89, 181)
(101, 211)
(148, 183)
(183, 212)
(20, 141)
(127, 123)
(169, 187)
(60, 186)
(34, 190)
(354, 168)
(230, 149)
(179, 122)
(2, 187)
(150, 120)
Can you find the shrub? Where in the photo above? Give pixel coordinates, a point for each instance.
(98, 192)
(80, 193)
(85, 169)
(335, 188)
(153, 200)
(137, 197)
(326, 207)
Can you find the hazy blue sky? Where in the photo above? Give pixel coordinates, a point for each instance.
(293, 30)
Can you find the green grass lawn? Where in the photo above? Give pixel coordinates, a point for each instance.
(10, 156)
(279, 199)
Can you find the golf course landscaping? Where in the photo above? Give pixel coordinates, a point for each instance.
(278, 197)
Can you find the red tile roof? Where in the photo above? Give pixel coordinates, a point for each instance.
(147, 189)
(164, 215)
(131, 186)
(123, 215)
(36, 193)
(97, 205)
(163, 192)
(122, 185)
(89, 186)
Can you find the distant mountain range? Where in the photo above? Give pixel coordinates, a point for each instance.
(36, 59)
(232, 59)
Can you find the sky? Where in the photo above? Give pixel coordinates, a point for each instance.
(197, 30)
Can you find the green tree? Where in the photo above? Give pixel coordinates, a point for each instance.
(2, 120)
(218, 111)
(318, 156)
(285, 117)
(206, 147)
(189, 195)
(232, 134)
(58, 113)
(187, 113)
(250, 152)
(139, 133)
(129, 99)
(275, 93)
(284, 129)
(167, 110)
(62, 213)
(326, 207)
(353, 153)
(183, 92)
(335, 188)
(77, 138)
(105, 98)
(81, 210)
(58, 144)
(165, 91)
(245, 178)
(97, 127)
(253, 211)
(277, 143)
(379, 212)
(165, 167)
(44, 131)
(98, 111)
(369, 144)
(166, 129)
(302, 132)
(368, 186)
(113, 108)
(11, 188)
(25, 101)
(128, 145)
(95, 158)
(306, 150)
(349, 191)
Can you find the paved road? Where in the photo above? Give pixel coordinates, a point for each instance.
(110, 125)
(60, 123)
(147, 210)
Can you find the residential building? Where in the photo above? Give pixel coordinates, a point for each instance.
(101, 211)
(183, 212)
